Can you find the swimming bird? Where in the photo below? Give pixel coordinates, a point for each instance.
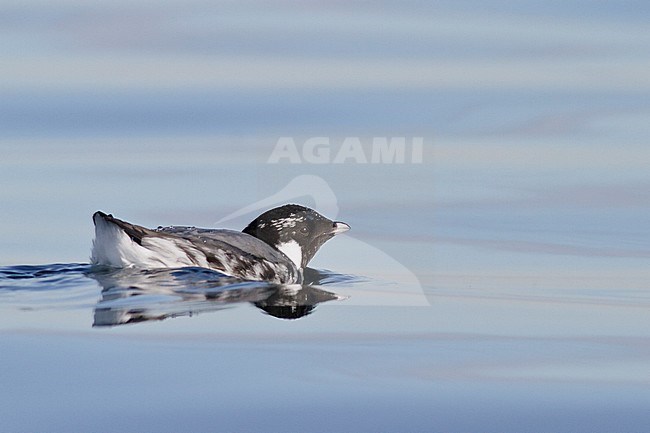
(276, 246)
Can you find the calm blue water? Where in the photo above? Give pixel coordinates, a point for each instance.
(500, 285)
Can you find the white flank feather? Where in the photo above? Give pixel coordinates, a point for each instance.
(113, 247)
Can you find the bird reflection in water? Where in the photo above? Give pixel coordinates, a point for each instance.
(136, 295)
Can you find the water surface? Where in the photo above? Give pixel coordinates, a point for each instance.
(499, 286)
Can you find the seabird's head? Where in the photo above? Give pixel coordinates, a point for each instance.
(295, 230)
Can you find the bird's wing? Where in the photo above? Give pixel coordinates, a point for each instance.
(237, 253)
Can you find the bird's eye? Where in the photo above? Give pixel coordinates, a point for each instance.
(304, 230)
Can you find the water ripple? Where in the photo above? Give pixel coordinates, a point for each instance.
(136, 295)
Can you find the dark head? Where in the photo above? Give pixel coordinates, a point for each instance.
(295, 230)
